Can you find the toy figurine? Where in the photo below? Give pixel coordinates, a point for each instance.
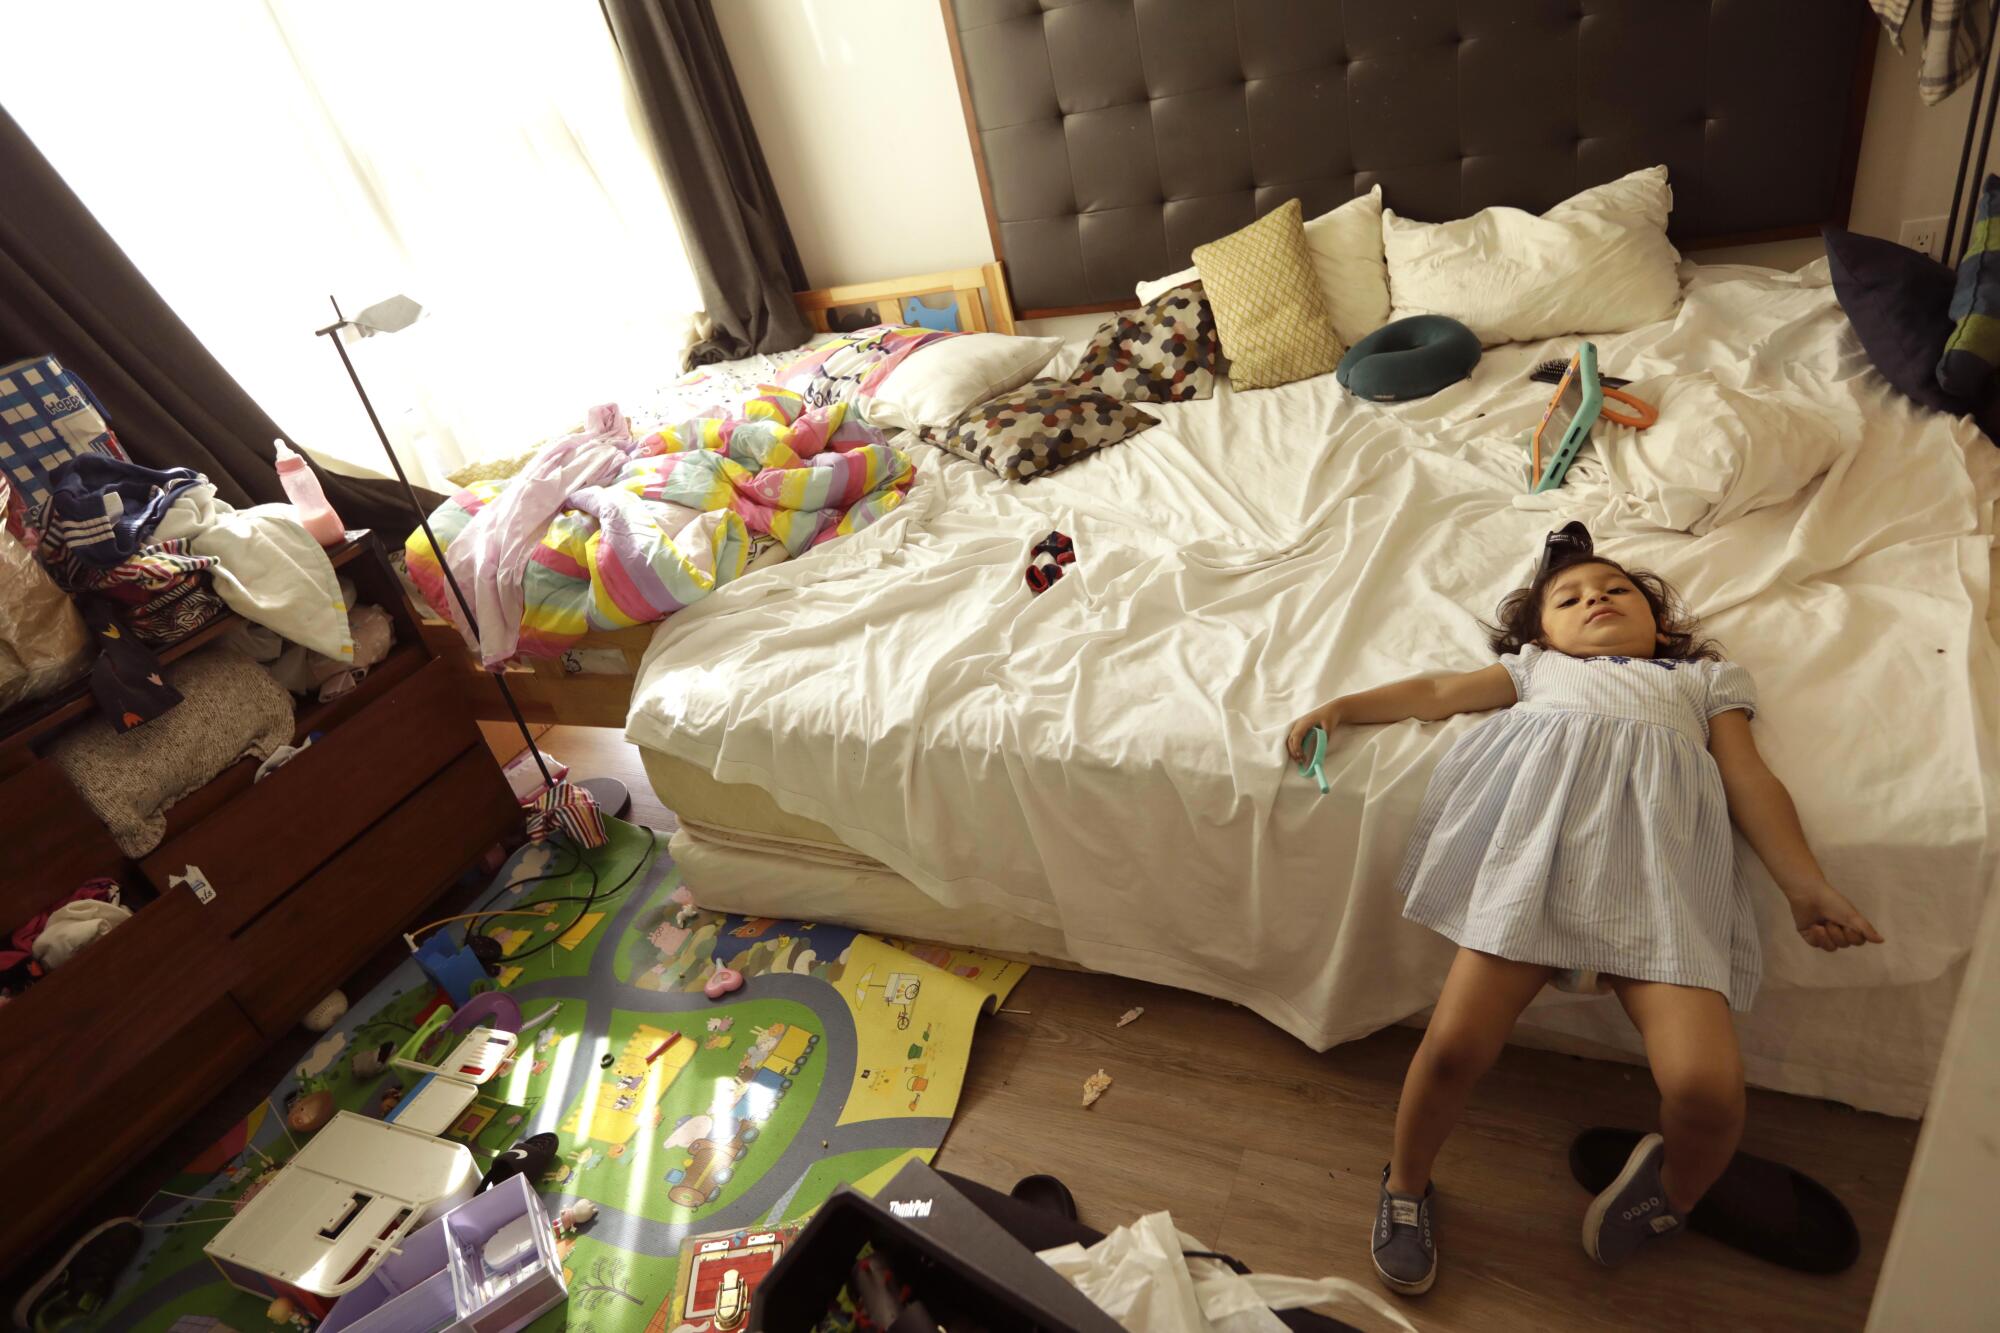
(369, 1062)
(309, 1107)
(574, 1218)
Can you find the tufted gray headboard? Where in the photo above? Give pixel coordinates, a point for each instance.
(1114, 136)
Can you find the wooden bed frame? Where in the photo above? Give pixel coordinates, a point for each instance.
(994, 315)
(591, 685)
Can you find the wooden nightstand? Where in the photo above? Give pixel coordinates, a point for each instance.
(313, 869)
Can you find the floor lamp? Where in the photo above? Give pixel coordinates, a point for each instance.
(391, 316)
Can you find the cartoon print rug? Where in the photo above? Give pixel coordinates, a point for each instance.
(839, 1060)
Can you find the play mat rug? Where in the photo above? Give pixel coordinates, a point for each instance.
(839, 1060)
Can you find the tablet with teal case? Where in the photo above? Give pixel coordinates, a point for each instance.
(1575, 408)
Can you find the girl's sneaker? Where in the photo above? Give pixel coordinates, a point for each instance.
(1404, 1249)
(1633, 1209)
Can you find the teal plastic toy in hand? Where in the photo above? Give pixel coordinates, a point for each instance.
(1309, 767)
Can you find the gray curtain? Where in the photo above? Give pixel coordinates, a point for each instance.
(67, 289)
(730, 219)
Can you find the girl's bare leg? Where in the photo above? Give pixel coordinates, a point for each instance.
(1691, 1045)
(1482, 997)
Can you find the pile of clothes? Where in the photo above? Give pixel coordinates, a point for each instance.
(151, 556)
(49, 939)
(172, 557)
(226, 707)
(305, 671)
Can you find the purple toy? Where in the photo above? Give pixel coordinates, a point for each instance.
(488, 1009)
(488, 1264)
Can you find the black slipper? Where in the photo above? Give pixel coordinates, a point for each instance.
(1046, 1192)
(1760, 1207)
(531, 1157)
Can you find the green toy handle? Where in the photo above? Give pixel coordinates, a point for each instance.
(1310, 767)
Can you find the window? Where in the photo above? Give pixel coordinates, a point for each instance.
(254, 157)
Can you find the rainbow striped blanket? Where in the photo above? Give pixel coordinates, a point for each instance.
(678, 518)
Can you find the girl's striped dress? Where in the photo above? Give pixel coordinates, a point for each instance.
(1586, 828)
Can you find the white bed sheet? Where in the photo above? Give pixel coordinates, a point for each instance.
(1105, 760)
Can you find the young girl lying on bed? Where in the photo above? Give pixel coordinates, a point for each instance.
(1582, 836)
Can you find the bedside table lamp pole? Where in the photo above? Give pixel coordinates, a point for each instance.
(1957, 238)
(390, 316)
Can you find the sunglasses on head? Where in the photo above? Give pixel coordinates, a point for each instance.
(1565, 546)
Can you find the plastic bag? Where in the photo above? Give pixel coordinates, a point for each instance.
(1139, 1276)
(1242, 1302)
(43, 644)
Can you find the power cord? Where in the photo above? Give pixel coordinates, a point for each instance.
(587, 899)
(410, 936)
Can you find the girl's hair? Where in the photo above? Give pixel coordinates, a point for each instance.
(1519, 620)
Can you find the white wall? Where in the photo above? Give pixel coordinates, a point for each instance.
(857, 109)
(1909, 152)
(1938, 1273)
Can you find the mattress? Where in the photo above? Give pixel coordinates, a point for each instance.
(1103, 763)
(1875, 1048)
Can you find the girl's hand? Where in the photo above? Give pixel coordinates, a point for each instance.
(1826, 920)
(1326, 715)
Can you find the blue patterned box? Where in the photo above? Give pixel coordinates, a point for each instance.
(47, 417)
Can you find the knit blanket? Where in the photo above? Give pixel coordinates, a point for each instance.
(677, 520)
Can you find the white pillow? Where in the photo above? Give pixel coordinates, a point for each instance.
(1152, 287)
(1346, 248)
(937, 383)
(1598, 262)
(1719, 451)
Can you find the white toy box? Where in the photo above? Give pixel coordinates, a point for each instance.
(338, 1208)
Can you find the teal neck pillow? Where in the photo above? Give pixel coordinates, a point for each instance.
(1411, 358)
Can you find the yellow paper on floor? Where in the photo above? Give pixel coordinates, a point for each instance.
(913, 1024)
(995, 977)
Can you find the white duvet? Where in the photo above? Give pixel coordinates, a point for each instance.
(1106, 759)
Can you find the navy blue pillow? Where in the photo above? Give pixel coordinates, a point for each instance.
(1897, 298)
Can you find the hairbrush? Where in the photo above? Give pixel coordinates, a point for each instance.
(1551, 372)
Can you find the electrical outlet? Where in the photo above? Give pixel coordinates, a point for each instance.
(1925, 234)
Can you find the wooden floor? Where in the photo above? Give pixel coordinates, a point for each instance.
(1272, 1152)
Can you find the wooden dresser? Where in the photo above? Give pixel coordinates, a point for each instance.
(313, 869)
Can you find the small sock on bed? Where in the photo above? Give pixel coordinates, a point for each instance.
(1046, 559)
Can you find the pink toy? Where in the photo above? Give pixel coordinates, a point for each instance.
(725, 980)
(574, 1218)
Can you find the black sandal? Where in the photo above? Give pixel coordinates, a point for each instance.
(1046, 1192)
(1760, 1207)
(531, 1157)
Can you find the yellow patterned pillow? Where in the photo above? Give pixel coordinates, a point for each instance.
(1267, 303)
